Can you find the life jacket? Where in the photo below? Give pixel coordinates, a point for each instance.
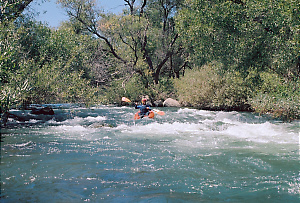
(144, 109)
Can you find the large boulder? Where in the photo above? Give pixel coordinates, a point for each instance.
(171, 103)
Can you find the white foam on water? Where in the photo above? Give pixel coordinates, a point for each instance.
(229, 124)
(162, 128)
(33, 121)
(196, 126)
(73, 132)
(201, 152)
(77, 129)
(79, 120)
(10, 120)
(195, 112)
(24, 144)
(94, 119)
(263, 133)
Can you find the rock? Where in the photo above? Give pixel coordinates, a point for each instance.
(158, 103)
(45, 111)
(149, 103)
(171, 103)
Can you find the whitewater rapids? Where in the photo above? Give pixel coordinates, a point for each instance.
(101, 154)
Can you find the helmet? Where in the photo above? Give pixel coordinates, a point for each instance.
(144, 99)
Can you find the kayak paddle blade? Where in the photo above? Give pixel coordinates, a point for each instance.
(161, 113)
(124, 99)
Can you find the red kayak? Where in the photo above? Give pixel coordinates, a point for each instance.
(137, 116)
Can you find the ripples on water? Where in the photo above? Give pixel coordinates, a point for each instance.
(102, 155)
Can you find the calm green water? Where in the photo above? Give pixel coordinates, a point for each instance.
(102, 155)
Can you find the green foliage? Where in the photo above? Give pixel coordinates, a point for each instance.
(133, 90)
(258, 44)
(10, 10)
(260, 34)
(51, 84)
(251, 50)
(39, 65)
(9, 55)
(11, 84)
(143, 40)
(211, 88)
(126, 33)
(164, 89)
(197, 87)
(277, 96)
(13, 93)
(233, 95)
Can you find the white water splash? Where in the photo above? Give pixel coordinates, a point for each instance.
(103, 155)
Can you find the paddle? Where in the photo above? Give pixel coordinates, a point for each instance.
(124, 99)
(161, 113)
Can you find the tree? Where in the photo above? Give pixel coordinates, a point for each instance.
(134, 39)
(168, 52)
(40, 65)
(11, 10)
(242, 35)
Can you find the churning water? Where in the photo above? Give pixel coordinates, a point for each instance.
(102, 155)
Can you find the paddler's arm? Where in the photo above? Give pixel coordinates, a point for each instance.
(136, 106)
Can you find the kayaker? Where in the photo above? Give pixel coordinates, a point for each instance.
(144, 108)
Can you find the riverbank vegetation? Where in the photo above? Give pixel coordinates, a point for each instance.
(217, 55)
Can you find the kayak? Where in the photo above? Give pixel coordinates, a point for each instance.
(137, 116)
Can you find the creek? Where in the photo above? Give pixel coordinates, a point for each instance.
(101, 154)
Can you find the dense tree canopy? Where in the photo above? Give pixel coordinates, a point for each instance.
(11, 9)
(243, 34)
(245, 55)
(41, 65)
(144, 38)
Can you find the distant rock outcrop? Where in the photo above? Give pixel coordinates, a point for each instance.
(171, 103)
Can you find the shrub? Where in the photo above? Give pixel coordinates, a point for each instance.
(197, 87)
(278, 97)
(164, 89)
(211, 88)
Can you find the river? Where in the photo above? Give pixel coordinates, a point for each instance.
(101, 154)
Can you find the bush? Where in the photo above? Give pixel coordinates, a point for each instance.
(278, 97)
(211, 88)
(233, 93)
(197, 87)
(164, 89)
